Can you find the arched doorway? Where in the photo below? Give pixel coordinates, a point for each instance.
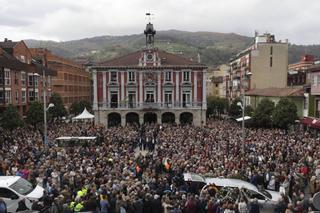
(114, 119)
(168, 117)
(132, 118)
(150, 117)
(186, 118)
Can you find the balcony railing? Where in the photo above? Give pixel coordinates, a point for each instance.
(148, 105)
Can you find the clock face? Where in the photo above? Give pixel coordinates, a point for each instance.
(149, 57)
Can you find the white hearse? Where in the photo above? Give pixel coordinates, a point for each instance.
(266, 198)
(15, 188)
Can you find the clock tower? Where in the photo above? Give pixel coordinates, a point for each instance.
(149, 33)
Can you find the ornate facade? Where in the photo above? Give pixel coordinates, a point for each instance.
(149, 85)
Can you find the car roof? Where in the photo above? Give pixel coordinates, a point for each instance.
(193, 177)
(6, 181)
(77, 138)
(227, 182)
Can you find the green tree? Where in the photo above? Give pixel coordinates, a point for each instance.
(11, 118)
(211, 106)
(235, 110)
(248, 110)
(35, 114)
(262, 116)
(222, 106)
(77, 107)
(216, 106)
(58, 110)
(284, 114)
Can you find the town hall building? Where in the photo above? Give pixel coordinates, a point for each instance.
(149, 86)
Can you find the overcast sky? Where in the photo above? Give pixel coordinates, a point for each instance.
(61, 20)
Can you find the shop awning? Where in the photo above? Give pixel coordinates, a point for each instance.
(311, 122)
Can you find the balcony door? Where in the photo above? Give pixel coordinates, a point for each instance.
(149, 96)
(114, 99)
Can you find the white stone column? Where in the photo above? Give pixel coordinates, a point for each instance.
(177, 118)
(140, 88)
(109, 97)
(104, 89)
(159, 88)
(122, 97)
(204, 89)
(141, 118)
(159, 121)
(195, 88)
(123, 120)
(177, 89)
(95, 90)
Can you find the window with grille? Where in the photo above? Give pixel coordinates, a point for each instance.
(23, 96)
(168, 76)
(168, 97)
(23, 79)
(186, 98)
(186, 76)
(132, 76)
(7, 77)
(8, 96)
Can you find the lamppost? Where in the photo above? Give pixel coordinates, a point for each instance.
(243, 104)
(45, 108)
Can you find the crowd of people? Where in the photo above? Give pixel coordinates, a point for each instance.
(114, 176)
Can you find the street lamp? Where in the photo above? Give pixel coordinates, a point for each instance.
(45, 108)
(243, 104)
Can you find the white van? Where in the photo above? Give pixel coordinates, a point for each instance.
(15, 188)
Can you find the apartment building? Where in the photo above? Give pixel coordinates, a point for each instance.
(264, 64)
(72, 81)
(21, 78)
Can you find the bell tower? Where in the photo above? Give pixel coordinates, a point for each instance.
(149, 33)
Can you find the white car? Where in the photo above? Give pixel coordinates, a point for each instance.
(266, 198)
(15, 188)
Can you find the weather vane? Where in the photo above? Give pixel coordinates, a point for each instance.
(149, 15)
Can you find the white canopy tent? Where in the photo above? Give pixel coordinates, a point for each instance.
(84, 115)
(245, 118)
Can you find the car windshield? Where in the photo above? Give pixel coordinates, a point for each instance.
(22, 186)
(265, 193)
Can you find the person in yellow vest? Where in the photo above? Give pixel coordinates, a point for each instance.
(79, 207)
(76, 206)
(71, 205)
(83, 192)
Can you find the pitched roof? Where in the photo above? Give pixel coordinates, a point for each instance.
(314, 68)
(167, 59)
(8, 44)
(8, 61)
(276, 92)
